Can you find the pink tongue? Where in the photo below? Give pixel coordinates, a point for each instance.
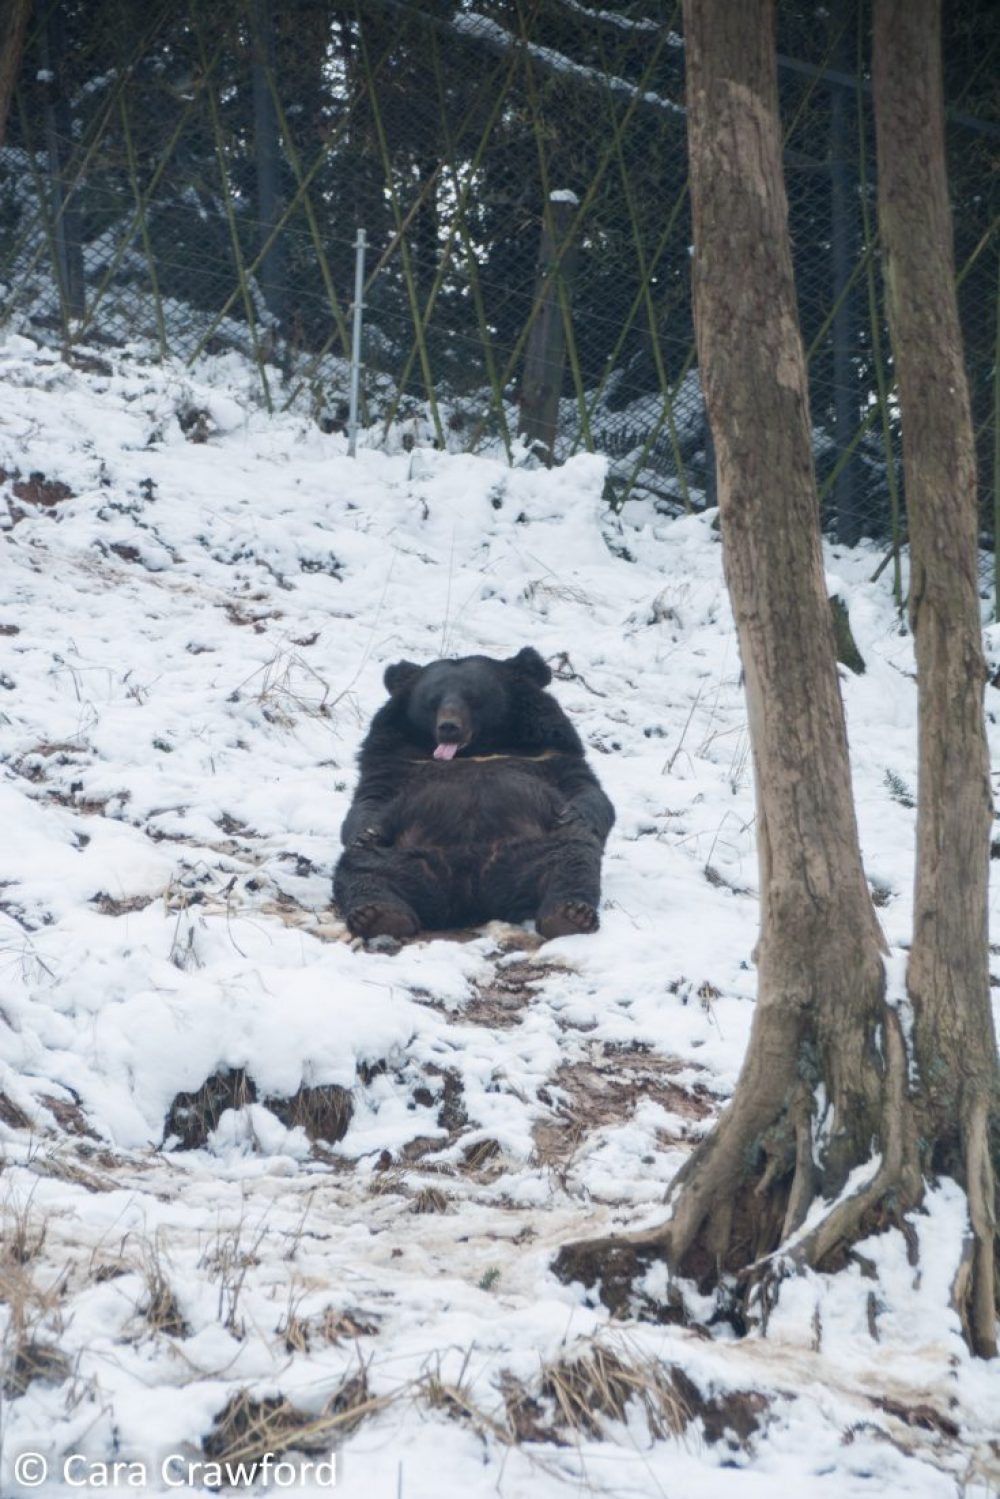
(446, 752)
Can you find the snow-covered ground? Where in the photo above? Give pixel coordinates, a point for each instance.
(197, 605)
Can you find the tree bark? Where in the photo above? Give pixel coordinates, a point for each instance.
(948, 971)
(13, 31)
(819, 956)
(831, 1079)
(816, 1066)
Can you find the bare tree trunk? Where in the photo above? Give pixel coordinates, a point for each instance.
(814, 1043)
(13, 31)
(948, 972)
(827, 1069)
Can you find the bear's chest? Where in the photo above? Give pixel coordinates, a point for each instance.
(471, 800)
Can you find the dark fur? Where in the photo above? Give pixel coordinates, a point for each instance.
(513, 827)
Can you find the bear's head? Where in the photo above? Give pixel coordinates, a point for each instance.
(466, 705)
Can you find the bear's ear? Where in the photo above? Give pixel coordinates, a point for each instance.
(400, 675)
(530, 664)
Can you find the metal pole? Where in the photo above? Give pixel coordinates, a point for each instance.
(359, 289)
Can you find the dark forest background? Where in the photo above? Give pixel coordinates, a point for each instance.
(190, 176)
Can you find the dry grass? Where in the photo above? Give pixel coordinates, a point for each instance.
(329, 1328)
(23, 1236)
(67, 1164)
(324, 1112)
(484, 1158)
(160, 1309)
(388, 1181)
(430, 1200)
(193, 1116)
(453, 1398)
(594, 1387)
(228, 1259)
(29, 1350)
(248, 1429)
(12, 1114)
(286, 687)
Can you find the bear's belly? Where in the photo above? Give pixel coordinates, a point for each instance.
(461, 802)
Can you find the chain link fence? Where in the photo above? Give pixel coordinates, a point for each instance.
(189, 175)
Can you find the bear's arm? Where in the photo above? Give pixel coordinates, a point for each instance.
(364, 820)
(583, 800)
(383, 772)
(544, 726)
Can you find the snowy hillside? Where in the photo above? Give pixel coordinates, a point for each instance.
(263, 1188)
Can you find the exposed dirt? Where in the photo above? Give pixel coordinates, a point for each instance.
(605, 1089)
(69, 1115)
(505, 996)
(37, 489)
(110, 905)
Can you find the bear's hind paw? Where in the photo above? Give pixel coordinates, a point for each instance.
(569, 918)
(376, 920)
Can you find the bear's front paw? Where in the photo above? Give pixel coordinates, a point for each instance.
(570, 820)
(368, 838)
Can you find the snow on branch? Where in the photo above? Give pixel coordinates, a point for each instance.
(494, 35)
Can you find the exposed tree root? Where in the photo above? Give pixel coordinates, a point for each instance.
(978, 1307)
(749, 1233)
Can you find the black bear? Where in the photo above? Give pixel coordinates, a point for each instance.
(475, 802)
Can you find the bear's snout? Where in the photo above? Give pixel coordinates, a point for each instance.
(452, 725)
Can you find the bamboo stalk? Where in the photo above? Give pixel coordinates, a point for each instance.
(458, 227)
(161, 328)
(295, 162)
(690, 356)
(45, 215)
(543, 288)
(129, 234)
(327, 148)
(404, 250)
(667, 409)
(234, 234)
(96, 140)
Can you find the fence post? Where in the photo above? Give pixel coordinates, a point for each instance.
(359, 292)
(545, 355)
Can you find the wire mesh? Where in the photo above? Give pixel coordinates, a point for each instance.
(188, 176)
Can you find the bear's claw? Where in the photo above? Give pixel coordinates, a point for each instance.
(376, 920)
(568, 919)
